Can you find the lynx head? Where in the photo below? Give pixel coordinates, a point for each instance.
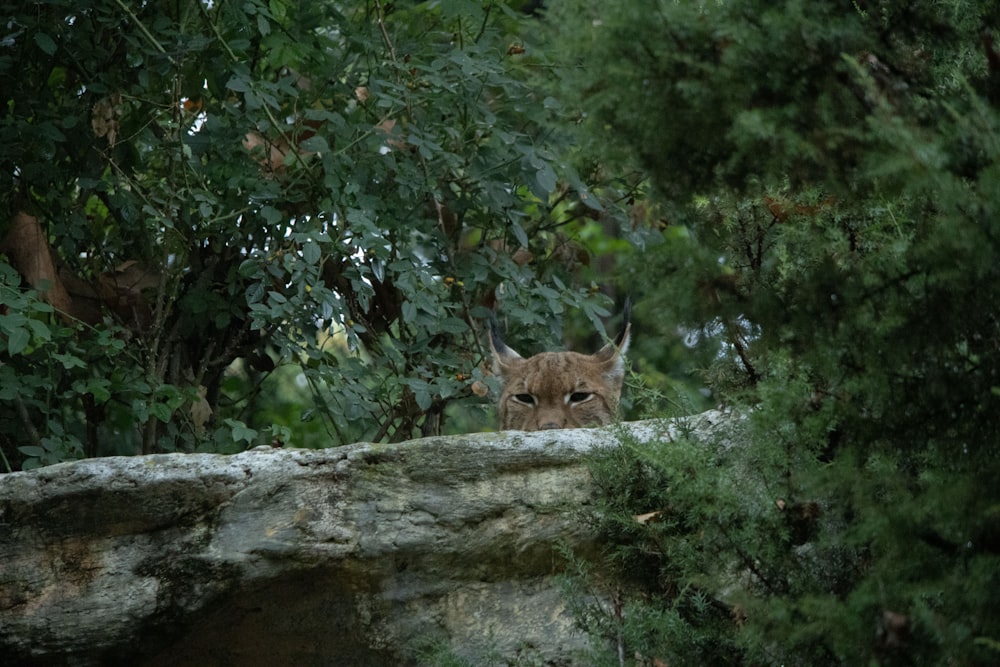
(559, 389)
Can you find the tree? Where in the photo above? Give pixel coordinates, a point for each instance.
(828, 176)
(198, 195)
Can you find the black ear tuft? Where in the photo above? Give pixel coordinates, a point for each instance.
(626, 322)
(496, 340)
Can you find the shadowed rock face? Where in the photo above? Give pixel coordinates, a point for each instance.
(353, 555)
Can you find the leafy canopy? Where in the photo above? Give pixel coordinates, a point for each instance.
(227, 224)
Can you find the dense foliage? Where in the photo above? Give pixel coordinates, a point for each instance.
(227, 224)
(829, 174)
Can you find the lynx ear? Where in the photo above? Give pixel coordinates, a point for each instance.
(503, 356)
(612, 354)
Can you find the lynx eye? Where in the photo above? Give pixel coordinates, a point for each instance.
(527, 399)
(579, 396)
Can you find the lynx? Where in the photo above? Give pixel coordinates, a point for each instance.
(559, 389)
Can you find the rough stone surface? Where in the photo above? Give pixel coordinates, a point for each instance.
(345, 556)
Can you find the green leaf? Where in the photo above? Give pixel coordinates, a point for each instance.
(546, 178)
(452, 325)
(140, 410)
(238, 83)
(589, 200)
(45, 43)
(40, 330)
(311, 252)
(409, 311)
(69, 361)
(17, 340)
(98, 388)
(12, 321)
(271, 215)
(162, 411)
(250, 268)
(421, 392)
(519, 234)
(32, 450)
(315, 144)
(240, 431)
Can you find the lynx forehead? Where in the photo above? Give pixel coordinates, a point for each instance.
(559, 389)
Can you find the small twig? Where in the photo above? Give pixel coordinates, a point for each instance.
(208, 19)
(617, 601)
(385, 34)
(143, 29)
(22, 412)
(383, 430)
(6, 463)
(482, 28)
(744, 357)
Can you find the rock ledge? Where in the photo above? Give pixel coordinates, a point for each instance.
(345, 556)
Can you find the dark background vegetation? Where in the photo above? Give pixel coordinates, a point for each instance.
(230, 224)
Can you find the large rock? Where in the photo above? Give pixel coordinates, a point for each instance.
(348, 556)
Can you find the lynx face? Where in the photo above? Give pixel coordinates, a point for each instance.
(559, 389)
